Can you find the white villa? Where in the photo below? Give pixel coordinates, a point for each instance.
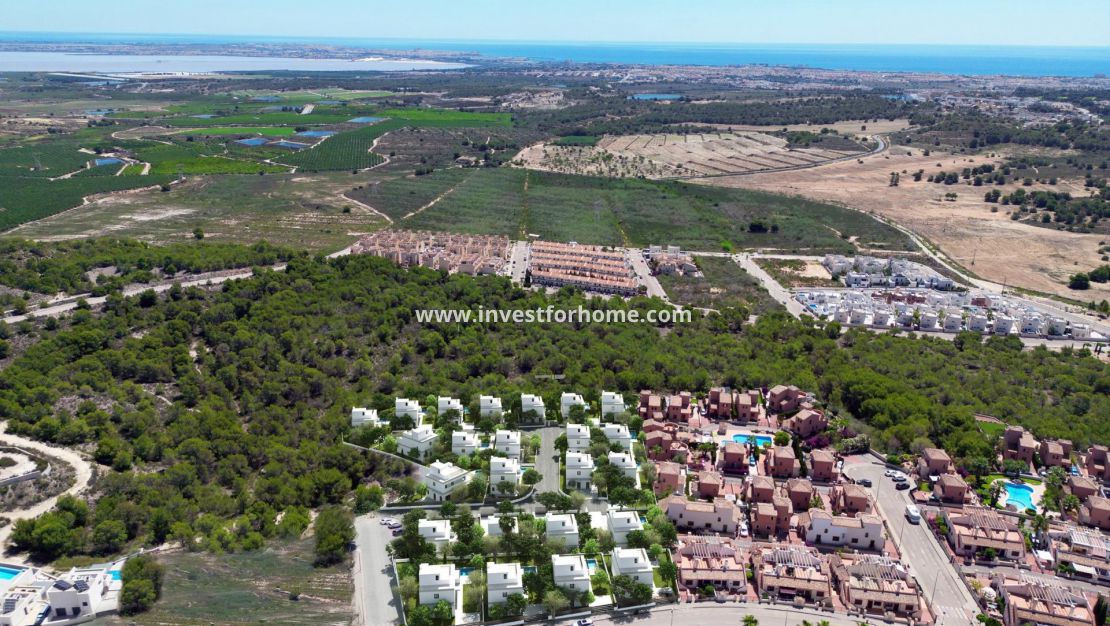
(618, 434)
(489, 406)
(411, 408)
(464, 442)
(436, 531)
(507, 442)
(612, 403)
(361, 416)
(634, 563)
(440, 582)
(444, 405)
(626, 464)
(417, 442)
(492, 525)
(569, 400)
(502, 470)
(570, 571)
(529, 402)
(578, 437)
(562, 526)
(580, 470)
(503, 580)
(443, 479)
(621, 523)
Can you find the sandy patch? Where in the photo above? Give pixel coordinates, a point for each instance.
(989, 244)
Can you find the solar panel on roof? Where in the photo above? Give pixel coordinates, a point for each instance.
(81, 585)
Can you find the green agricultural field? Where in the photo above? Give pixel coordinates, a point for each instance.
(639, 212)
(724, 283)
(199, 158)
(406, 194)
(577, 140)
(349, 150)
(445, 117)
(26, 199)
(266, 131)
(277, 118)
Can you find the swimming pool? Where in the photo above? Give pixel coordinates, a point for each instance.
(108, 161)
(365, 120)
(591, 564)
(115, 574)
(8, 573)
(760, 440)
(1020, 496)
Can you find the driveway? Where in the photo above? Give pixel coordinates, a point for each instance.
(939, 580)
(374, 602)
(643, 274)
(547, 459)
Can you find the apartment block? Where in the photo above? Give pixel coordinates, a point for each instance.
(876, 585)
(711, 560)
(978, 529)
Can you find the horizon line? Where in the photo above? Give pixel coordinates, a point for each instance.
(546, 41)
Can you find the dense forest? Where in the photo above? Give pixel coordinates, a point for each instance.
(220, 413)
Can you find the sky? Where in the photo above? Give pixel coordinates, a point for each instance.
(953, 22)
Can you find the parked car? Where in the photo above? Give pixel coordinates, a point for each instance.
(584, 622)
(394, 525)
(397, 531)
(901, 486)
(866, 482)
(913, 514)
(899, 477)
(890, 473)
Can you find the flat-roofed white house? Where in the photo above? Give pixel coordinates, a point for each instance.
(443, 405)
(562, 526)
(492, 525)
(621, 523)
(580, 470)
(578, 437)
(361, 416)
(529, 402)
(507, 442)
(634, 563)
(618, 434)
(502, 581)
(626, 464)
(439, 582)
(612, 403)
(417, 442)
(489, 406)
(569, 400)
(464, 442)
(437, 531)
(503, 470)
(570, 572)
(409, 408)
(443, 479)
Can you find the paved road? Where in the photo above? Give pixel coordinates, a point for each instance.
(82, 468)
(777, 291)
(518, 261)
(200, 280)
(643, 274)
(547, 459)
(730, 614)
(374, 602)
(938, 578)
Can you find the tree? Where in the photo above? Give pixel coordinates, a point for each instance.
(1079, 281)
(668, 570)
(198, 234)
(631, 592)
(751, 620)
(782, 438)
(142, 584)
(109, 536)
(136, 597)
(554, 601)
(531, 476)
(335, 530)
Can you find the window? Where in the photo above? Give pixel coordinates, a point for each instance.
(436, 596)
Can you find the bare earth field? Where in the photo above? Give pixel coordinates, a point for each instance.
(989, 244)
(305, 210)
(848, 127)
(679, 155)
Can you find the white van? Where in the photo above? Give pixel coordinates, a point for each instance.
(913, 514)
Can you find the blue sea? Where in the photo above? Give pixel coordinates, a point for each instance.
(965, 60)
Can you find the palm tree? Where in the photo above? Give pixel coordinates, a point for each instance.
(1039, 525)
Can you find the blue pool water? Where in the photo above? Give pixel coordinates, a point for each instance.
(293, 145)
(656, 96)
(253, 141)
(760, 440)
(1020, 496)
(465, 571)
(115, 574)
(529, 569)
(100, 162)
(8, 573)
(317, 133)
(365, 120)
(591, 564)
